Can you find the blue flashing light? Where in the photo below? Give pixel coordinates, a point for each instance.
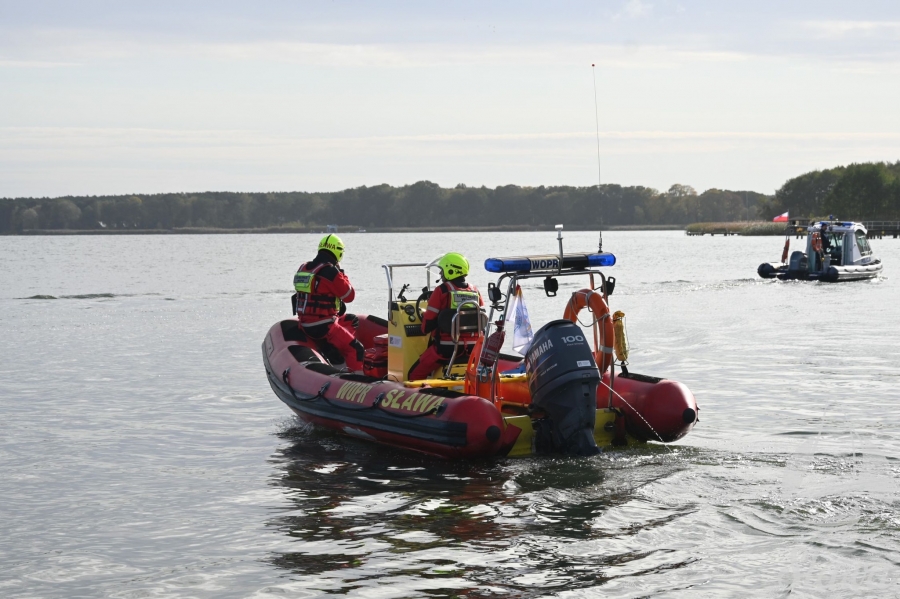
(601, 259)
(507, 265)
(549, 263)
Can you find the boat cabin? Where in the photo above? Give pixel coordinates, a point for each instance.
(843, 243)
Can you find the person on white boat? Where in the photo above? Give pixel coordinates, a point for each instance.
(826, 240)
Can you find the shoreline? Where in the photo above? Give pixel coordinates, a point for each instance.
(320, 230)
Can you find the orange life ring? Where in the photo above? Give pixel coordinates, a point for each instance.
(817, 242)
(586, 297)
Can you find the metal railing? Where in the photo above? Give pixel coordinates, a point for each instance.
(882, 225)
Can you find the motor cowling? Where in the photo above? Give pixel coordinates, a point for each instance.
(798, 262)
(563, 379)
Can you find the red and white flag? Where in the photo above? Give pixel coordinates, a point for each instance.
(781, 218)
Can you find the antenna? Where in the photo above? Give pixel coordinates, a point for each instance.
(559, 230)
(597, 123)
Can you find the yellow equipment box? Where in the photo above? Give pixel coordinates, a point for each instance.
(406, 342)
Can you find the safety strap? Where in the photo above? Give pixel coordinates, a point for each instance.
(317, 323)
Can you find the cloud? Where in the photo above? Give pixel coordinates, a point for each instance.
(85, 49)
(834, 30)
(673, 42)
(56, 48)
(634, 9)
(61, 138)
(35, 64)
(428, 55)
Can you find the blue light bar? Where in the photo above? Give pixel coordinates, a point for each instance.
(549, 263)
(601, 259)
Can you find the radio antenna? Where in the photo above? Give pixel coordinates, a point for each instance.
(597, 123)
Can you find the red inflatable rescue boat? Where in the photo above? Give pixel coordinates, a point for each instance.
(554, 400)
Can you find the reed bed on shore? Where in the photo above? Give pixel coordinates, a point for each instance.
(736, 228)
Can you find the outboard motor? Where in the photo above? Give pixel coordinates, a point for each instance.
(798, 262)
(563, 379)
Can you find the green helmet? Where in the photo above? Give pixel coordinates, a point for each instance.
(333, 244)
(453, 265)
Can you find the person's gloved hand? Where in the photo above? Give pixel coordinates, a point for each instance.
(352, 320)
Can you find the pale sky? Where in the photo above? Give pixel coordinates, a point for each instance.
(143, 97)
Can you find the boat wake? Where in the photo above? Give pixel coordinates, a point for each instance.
(682, 286)
(86, 296)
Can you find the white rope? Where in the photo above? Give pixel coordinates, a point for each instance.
(587, 304)
(658, 436)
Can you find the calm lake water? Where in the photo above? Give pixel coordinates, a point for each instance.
(142, 453)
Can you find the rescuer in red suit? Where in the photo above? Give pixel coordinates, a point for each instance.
(447, 296)
(322, 290)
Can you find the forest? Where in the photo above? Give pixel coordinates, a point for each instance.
(420, 205)
(858, 191)
(866, 191)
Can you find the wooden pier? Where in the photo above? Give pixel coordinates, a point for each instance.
(879, 229)
(876, 229)
(711, 233)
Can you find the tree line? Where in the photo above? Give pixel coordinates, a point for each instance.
(859, 191)
(422, 204)
(865, 191)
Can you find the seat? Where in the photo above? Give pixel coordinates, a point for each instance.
(469, 318)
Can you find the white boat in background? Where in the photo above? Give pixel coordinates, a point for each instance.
(835, 251)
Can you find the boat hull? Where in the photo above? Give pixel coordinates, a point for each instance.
(654, 409)
(442, 421)
(833, 274)
(437, 422)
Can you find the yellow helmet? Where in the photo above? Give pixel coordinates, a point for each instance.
(333, 244)
(453, 265)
